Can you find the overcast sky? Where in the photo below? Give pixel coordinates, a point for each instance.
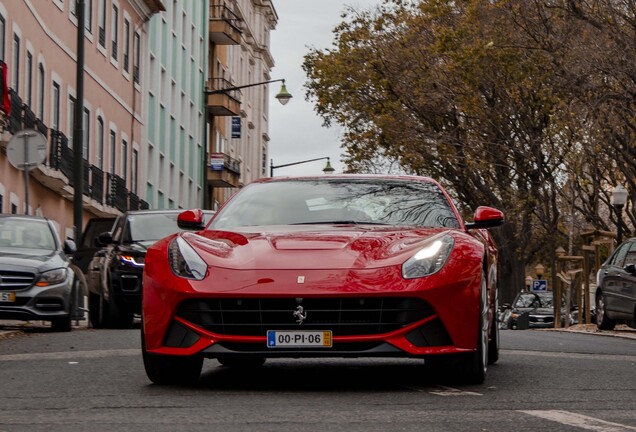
(295, 130)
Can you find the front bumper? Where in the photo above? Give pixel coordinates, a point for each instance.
(39, 303)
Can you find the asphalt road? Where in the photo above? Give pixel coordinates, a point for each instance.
(93, 380)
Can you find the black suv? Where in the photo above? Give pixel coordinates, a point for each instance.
(115, 272)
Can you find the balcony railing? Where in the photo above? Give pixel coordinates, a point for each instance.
(97, 184)
(117, 195)
(225, 25)
(60, 154)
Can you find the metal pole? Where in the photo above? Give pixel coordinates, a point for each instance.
(26, 173)
(78, 127)
(619, 224)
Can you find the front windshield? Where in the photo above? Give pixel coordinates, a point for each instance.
(23, 233)
(338, 200)
(144, 227)
(534, 300)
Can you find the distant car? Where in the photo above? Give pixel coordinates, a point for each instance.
(36, 281)
(538, 309)
(115, 272)
(329, 266)
(616, 288)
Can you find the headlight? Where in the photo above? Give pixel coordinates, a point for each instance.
(52, 277)
(184, 261)
(429, 259)
(134, 261)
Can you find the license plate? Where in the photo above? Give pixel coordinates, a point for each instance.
(299, 339)
(7, 297)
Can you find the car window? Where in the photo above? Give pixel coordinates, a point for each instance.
(26, 234)
(630, 257)
(618, 258)
(374, 201)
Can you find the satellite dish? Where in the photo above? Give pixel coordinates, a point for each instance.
(27, 149)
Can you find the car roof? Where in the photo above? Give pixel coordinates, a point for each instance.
(26, 217)
(349, 177)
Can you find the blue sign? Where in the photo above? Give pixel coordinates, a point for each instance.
(236, 127)
(539, 285)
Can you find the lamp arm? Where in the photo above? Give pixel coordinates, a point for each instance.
(243, 86)
(298, 163)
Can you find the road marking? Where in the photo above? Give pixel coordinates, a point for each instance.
(614, 357)
(71, 355)
(450, 391)
(580, 420)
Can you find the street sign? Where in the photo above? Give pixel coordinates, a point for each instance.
(217, 161)
(540, 285)
(27, 149)
(236, 127)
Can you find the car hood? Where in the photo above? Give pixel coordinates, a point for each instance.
(136, 247)
(26, 260)
(318, 247)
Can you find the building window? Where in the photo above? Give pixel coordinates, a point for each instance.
(56, 106)
(126, 46)
(124, 159)
(113, 31)
(87, 133)
(3, 24)
(41, 91)
(15, 67)
(99, 157)
(29, 79)
(88, 13)
(113, 140)
(134, 168)
(71, 117)
(136, 57)
(102, 23)
(14, 209)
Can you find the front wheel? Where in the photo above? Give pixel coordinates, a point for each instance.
(603, 322)
(472, 367)
(65, 324)
(168, 369)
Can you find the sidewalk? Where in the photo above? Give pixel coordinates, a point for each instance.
(12, 328)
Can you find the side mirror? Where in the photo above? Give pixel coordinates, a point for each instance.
(191, 220)
(69, 247)
(486, 217)
(105, 238)
(630, 268)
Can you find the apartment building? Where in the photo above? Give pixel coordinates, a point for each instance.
(38, 44)
(237, 119)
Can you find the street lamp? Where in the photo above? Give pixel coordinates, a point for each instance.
(283, 95)
(618, 200)
(539, 269)
(328, 169)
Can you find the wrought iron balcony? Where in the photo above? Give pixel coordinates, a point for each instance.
(224, 171)
(222, 102)
(224, 27)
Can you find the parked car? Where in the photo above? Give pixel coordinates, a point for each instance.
(331, 266)
(536, 310)
(36, 281)
(89, 243)
(616, 288)
(115, 272)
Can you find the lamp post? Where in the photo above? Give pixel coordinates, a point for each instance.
(618, 200)
(328, 169)
(539, 269)
(283, 95)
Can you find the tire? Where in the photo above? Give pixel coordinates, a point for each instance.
(241, 361)
(472, 367)
(65, 324)
(170, 370)
(493, 344)
(109, 313)
(603, 322)
(94, 310)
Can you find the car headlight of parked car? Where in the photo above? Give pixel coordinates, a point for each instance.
(52, 277)
(184, 261)
(133, 261)
(430, 259)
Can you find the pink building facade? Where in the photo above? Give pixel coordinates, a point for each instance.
(38, 44)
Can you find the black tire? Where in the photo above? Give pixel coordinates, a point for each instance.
(94, 310)
(493, 344)
(241, 361)
(109, 313)
(603, 322)
(170, 370)
(65, 324)
(471, 368)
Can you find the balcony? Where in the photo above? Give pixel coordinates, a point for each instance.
(224, 171)
(221, 102)
(224, 26)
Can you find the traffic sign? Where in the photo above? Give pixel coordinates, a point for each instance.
(540, 285)
(27, 149)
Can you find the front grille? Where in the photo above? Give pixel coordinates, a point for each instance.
(15, 280)
(343, 316)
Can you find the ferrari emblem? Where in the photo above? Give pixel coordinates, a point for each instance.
(300, 314)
